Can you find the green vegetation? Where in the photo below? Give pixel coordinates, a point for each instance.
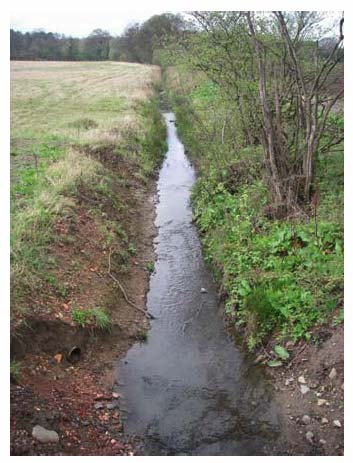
(15, 371)
(142, 335)
(281, 272)
(150, 266)
(70, 122)
(95, 317)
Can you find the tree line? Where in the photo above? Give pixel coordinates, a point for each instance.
(138, 43)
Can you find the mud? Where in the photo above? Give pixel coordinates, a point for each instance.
(59, 391)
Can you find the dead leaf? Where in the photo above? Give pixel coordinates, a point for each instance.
(58, 357)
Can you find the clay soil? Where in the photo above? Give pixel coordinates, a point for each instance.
(319, 367)
(67, 372)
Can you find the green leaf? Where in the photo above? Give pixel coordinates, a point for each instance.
(274, 363)
(281, 352)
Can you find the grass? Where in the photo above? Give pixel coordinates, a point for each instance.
(142, 335)
(281, 278)
(61, 113)
(15, 371)
(96, 317)
(150, 266)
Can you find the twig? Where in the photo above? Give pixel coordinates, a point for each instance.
(145, 312)
(296, 356)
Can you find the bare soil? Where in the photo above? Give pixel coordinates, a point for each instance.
(74, 394)
(67, 372)
(319, 367)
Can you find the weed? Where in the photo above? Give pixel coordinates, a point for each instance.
(150, 266)
(15, 371)
(131, 249)
(96, 318)
(80, 317)
(102, 319)
(280, 276)
(83, 123)
(142, 335)
(339, 318)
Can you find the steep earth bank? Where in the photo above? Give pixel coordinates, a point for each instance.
(65, 383)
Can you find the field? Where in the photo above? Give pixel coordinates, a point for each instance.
(66, 103)
(86, 139)
(67, 120)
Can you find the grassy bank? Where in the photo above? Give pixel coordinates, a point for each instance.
(281, 276)
(82, 134)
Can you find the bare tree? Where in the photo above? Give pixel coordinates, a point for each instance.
(295, 103)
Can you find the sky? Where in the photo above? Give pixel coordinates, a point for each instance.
(81, 21)
(78, 23)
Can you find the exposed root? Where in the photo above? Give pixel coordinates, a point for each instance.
(145, 312)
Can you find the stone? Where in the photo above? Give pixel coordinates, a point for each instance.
(98, 405)
(301, 380)
(342, 386)
(112, 405)
(321, 402)
(115, 395)
(304, 389)
(313, 385)
(259, 359)
(322, 441)
(306, 419)
(44, 435)
(333, 374)
(324, 420)
(203, 290)
(309, 436)
(337, 424)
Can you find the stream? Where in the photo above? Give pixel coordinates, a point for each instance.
(189, 390)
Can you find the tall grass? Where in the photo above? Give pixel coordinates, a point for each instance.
(59, 113)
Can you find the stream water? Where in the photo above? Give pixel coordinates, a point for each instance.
(189, 390)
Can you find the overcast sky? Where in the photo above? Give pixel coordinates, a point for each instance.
(77, 23)
(81, 21)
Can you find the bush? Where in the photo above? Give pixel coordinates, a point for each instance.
(281, 275)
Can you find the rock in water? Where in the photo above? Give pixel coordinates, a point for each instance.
(44, 435)
(203, 290)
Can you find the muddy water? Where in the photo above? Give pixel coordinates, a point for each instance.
(189, 390)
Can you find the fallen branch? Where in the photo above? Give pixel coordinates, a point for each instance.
(145, 312)
(297, 355)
